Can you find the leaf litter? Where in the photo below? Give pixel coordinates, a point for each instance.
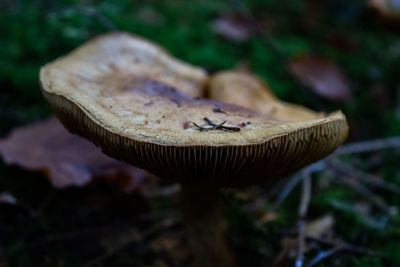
(322, 77)
(66, 159)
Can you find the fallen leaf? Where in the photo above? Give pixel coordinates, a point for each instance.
(67, 159)
(322, 76)
(233, 29)
(364, 212)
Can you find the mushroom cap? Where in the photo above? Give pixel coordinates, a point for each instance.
(113, 58)
(145, 113)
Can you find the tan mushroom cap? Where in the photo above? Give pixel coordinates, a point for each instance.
(113, 57)
(246, 90)
(149, 120)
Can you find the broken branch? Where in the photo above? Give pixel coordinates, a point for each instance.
(216, 126)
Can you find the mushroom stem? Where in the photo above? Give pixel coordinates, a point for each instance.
(205, 227)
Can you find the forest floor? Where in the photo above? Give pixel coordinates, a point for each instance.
(349, 59)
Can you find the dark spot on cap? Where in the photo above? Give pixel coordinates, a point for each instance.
(186, 125)
(155, 88)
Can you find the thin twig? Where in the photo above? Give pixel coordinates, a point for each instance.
(287, 189)
(213, 124)
(301, 224)
(324, 255)
(355, 184)
(335, 247)
(369, 146)
(353, 172)
(216, 126)
(221, 126)
(358, 187)
(346, 246)
(334, 243)
(365, 192)
(295, 180)
(306, 195)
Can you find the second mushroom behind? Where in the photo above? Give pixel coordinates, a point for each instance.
(247, 90)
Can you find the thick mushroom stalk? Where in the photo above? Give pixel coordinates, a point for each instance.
(205, 226)
(142, 106)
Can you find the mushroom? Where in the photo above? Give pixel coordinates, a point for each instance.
(142, 106)
(246, 90)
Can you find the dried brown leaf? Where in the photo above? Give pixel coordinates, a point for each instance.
(322, 76)
(68, 160)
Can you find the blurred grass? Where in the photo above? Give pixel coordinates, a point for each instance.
(36, 32)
